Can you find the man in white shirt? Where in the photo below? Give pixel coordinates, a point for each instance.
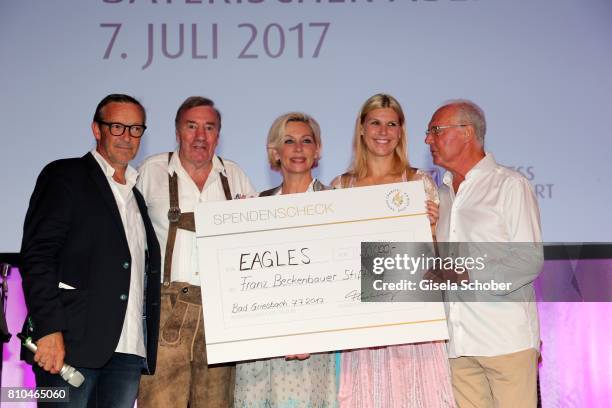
(91, 265)
(173, 184)
(494, 345)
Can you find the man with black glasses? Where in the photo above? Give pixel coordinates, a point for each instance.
(91, 265)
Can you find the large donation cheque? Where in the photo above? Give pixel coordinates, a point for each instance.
(281, 275)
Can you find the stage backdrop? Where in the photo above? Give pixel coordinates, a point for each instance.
(539, 69)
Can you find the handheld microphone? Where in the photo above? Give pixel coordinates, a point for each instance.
(68, 372)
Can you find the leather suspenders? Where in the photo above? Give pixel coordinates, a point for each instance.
(178, 219)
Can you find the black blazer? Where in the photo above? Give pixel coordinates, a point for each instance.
(73, 234)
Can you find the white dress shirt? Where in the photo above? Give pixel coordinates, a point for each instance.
(153, 183)
(493, 205)
(131, 340)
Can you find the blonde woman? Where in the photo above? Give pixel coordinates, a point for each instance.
(294, 148)
(409, 375)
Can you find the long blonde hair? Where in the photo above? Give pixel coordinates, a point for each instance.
(359, 167)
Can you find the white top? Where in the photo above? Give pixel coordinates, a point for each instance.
(153, 183)
(493, 204)
(310, 188)
(431, 192)
(131, 340)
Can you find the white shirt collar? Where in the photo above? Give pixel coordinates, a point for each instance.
(310, 188)
(485, 164)
(130, 173)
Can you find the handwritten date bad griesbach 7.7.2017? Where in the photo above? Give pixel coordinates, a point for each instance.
(276, 305)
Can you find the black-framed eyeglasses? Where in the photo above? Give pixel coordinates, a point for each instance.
(118, 129)
(437, 130)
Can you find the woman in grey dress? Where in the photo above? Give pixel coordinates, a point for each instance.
(298, 381)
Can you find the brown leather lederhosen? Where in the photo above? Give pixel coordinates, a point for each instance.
(178, 219)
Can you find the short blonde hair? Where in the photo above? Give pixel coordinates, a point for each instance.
(359, 166)
(277, 132)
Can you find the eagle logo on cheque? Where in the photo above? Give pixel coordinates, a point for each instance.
(397, 200)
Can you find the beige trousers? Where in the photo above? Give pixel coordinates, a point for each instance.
(182, 375)
(509, 380)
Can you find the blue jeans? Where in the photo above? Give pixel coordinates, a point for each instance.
(113, 385)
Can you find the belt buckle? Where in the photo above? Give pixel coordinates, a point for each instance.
(174, 214)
